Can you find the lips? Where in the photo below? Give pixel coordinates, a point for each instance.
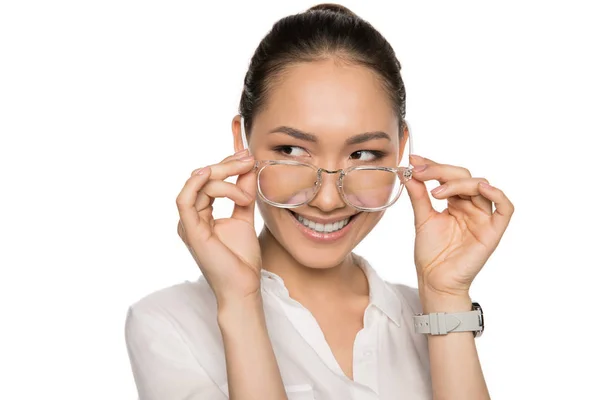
(322, 227)
(343, 227)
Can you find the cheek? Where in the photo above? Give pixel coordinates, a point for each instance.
(265, 210)
(369, 220)
(270, 215)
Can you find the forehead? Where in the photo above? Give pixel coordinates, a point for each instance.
(330, 97)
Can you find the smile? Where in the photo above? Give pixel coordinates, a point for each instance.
(322, 228)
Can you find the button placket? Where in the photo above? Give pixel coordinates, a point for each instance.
(365, 365)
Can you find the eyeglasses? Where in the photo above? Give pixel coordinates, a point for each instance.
(291, 184)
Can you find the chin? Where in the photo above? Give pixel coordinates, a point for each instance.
(316, 258)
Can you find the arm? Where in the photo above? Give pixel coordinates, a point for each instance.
(451, 247)
(252, 369)
(455, 369)
(228, 253)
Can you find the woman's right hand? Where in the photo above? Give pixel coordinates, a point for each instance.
(227, 249)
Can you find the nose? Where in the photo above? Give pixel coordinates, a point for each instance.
(328, 198)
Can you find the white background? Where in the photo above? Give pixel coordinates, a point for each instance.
(107, 106)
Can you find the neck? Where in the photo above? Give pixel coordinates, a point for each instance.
(303, 282)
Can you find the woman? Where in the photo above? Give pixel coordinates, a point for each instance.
(293, 313)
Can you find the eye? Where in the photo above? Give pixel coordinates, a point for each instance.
(292, 151)
(367, 155)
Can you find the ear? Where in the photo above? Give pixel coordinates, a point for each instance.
(403, 142)
(236, 130)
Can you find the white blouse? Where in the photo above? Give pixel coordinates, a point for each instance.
(176, 349)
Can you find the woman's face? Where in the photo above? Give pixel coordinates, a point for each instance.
(312, 114)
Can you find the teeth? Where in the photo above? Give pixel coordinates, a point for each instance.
(324, 228)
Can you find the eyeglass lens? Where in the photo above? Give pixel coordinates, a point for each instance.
(293, 185)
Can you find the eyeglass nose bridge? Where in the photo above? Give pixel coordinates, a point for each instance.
(341, 171)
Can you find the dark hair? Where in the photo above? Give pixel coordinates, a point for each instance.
(323, 31)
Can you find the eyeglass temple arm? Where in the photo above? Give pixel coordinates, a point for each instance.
(410, 141)
(244, 139)
(410, 138)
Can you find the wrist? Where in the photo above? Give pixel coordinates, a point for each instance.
(234, 313)
(448, 303)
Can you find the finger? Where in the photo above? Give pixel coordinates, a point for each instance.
(186, 199)
(215, 188)
(247, 183)
(232, 168)
(419, 198)
(417, 160)
(440, 172)
(236, 166)
(483, 204)
(239, 154)
(467, 189)
(504, 207)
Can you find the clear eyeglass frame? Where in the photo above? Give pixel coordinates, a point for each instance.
(403, 173)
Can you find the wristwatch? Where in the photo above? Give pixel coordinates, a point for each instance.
(444, 323)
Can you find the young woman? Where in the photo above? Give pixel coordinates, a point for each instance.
(293, 313)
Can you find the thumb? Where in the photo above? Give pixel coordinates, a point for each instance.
(246, 182)
(419, 197)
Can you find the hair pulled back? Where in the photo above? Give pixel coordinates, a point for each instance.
(323, 31)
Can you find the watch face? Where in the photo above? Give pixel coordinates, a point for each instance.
(477, 307)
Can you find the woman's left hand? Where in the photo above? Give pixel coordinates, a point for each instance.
(452, 246)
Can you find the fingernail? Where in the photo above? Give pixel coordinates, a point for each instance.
(438, 189)
(248, 158)
(420, 168)
(201, 171)
(241, 152)
(417, 157)
(485, 185)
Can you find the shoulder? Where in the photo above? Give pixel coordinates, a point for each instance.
(173, 342)
(178, 306)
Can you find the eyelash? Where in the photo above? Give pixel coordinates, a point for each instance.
(377, 154)
(281, 149)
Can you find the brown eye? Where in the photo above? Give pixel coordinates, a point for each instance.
(287, 150)
(292, 151)
(366, 155)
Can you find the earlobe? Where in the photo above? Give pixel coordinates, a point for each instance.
(236, 130)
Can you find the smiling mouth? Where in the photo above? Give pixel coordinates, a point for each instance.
(322, 228)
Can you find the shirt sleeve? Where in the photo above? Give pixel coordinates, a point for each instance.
(162, 364)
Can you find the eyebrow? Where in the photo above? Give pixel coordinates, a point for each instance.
(310, 137)
(295, 133)
(365, 137)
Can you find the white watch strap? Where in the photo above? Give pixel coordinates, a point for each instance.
(443, 323)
